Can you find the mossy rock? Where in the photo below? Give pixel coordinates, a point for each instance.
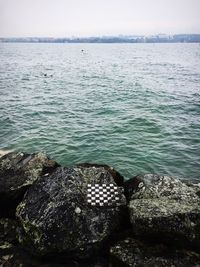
(135, 253)
(18, 171)
(56, 217)
(165, 208)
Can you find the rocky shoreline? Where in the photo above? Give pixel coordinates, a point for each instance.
(88, 215)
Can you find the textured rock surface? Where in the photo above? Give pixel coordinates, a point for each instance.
(17, 172)
(13, 255)
(56, 217)
(118, 178)
(8, 240)
(154, 186)
(134, 253)
(8, 231)
(166, 208)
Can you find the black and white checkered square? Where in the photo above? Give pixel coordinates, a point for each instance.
(103, 195)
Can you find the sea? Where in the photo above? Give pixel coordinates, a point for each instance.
(135, 107)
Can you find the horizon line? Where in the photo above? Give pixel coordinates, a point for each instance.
(99, 36)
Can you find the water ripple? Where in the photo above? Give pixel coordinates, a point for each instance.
(135, 107)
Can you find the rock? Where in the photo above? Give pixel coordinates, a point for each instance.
(15, 256)
(131, 186)
(118, 178)
(167, 209)
(8, 231)
(157, 186)
(57, 217)
(17, 172)
(167, 219)
(135, 253)
(153, 185)
(8, 243)
(194, 183)
(4, 152)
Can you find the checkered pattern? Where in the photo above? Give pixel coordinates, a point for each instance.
(103, 195)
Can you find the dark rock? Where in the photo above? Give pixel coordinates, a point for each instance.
(57, 218)
(165, 208)
(8, 231)
(167, 219)
(131, 186)
(17, 172)
(134, 253)
(118, 178)
(15, 256)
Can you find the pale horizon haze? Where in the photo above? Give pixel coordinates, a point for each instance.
(66, 18)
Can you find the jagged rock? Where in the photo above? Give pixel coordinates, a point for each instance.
(135, 253)
(131, 186)
(153, 185)
(17, 172)
(118, 178)
(165, 208)
(56, 216)
(157, 186)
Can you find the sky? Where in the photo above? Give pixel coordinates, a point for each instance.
(66, 18)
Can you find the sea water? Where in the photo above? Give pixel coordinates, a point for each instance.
(133, 106)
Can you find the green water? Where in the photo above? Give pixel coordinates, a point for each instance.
(133, 106)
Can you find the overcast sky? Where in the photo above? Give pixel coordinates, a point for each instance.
(62, 18)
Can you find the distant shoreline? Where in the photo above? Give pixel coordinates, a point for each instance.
(160, 38)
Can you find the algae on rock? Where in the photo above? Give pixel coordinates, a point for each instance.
(18, 171)
(56, 217)
(166, 208)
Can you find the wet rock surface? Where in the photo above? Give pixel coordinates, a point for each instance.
(118, 178)
(134, 253)
(166, 208)
(73, 216)
(56, 216)
(17, 172)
